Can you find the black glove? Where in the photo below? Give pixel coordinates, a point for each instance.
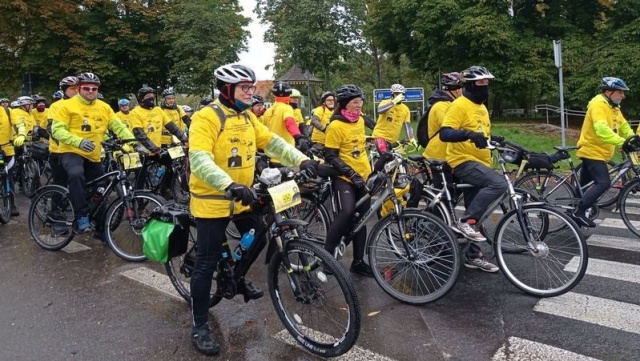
(631, 144)
(478, 139)
(357, 180)
(240, 192)
(310, 167)
(302, 143)
(498, 139)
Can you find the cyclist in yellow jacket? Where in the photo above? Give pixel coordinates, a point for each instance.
(175, 113)
(393, 115)
(80, 125)
(280, 118)
(7, 129)
(148, 122)
(39, 112)
(467, 118)
(124, 111)
(603, 129)
(213, 174)
(320, 119)
(440, 100)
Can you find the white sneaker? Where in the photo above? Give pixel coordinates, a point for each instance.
(470, 232)
(480, 263)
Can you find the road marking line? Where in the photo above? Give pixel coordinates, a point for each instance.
(153, 279)
(617, 223)
(74, 247)
(355, 354)
(600, 311)
(520, 349)
(627, 244)
(610, 269)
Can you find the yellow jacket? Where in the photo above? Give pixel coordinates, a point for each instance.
(603, 128)
(79, 119)
(218, 158)
(389, 125)
(152, 121)
(467, 115)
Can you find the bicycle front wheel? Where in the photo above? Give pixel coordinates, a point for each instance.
(30, 177)
(419, 266)
(322, 313)
(629, 206)
(552, 262)
(314, 214)
(51, 218)
(125, 238)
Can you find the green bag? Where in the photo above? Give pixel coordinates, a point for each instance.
(156, 235)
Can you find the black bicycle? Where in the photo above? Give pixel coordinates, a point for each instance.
(120, 218)
(313, 296)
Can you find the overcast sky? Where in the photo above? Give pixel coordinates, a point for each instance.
(260, 54)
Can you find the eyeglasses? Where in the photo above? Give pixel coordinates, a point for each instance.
(89, 88)
(248, 88)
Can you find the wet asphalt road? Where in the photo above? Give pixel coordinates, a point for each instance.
(79, 306)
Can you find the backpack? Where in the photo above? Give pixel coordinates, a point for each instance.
(423, 128)
(223, 117)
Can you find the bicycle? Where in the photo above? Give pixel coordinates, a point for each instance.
(565, 191)
(298, 286)
(51, 214)
(29, 169)
(531, 240)
(171, 177)
(6, 194)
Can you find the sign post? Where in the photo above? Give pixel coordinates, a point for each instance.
(557, 55)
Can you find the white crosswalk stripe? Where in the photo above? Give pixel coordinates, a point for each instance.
(627, 244)
(600, 311)
(74, 247)
(520, 349)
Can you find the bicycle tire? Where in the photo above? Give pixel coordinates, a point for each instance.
(129, 246)
(316, 216)
(440, 209)
(51, 209)
(332, 333)
(629, 206)
(433, 272)
(534, 180)
(526, 270)
(180, 187)
(180, 272)
(30, 177)
(5, 198)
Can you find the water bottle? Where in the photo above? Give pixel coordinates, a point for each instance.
(96, 198)
(245, 243)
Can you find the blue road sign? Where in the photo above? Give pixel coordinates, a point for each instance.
(411, 95)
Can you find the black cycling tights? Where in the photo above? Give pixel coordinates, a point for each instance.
(211, 236)
(347, 195)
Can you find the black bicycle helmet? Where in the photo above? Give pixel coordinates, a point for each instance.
(168, 92)
(206, 100)
(348, 92)
(451, 81)
(88, 78)
(281, 89)
(144, 91)
(257, 99)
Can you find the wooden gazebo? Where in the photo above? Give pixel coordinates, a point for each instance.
(295, 76)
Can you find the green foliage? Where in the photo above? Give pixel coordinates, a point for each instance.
(127, 43)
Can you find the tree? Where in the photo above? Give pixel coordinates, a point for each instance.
(203, 35)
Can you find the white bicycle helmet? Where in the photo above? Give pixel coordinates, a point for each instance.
(397, 88)
(88, 78)
(476, 73)
(234, 73)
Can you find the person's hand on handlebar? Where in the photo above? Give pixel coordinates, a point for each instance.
(241, 193)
